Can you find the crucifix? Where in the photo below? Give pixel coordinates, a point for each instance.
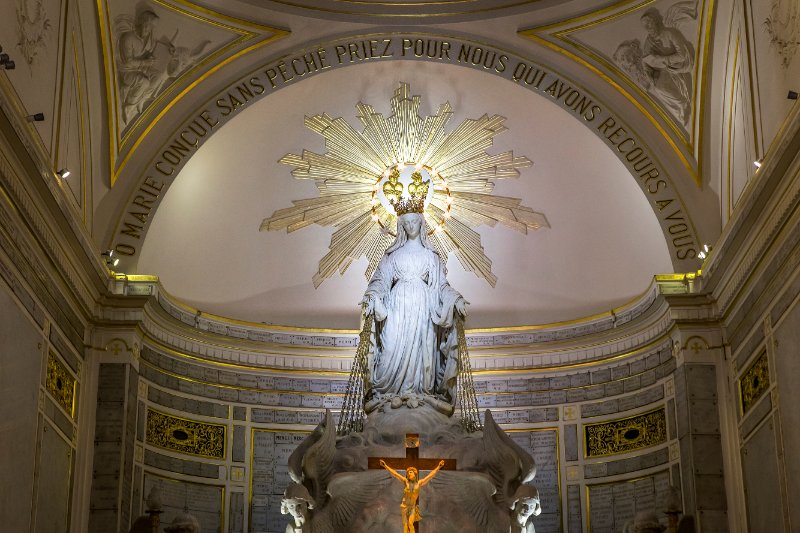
(412, 464)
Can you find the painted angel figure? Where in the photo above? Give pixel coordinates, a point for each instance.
(408, 507)
(414, 311)
(664, 62)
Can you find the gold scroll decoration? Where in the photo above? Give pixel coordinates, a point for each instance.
(626, 434)
(185, 436)
(60, 384)
(754, 382)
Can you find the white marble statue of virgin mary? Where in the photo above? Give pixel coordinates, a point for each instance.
(414, 308)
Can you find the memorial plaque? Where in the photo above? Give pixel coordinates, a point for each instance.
(312, 401)
(203, 501)
(309, 417)
(612, 505)
(300, 385)
(262, 416)
(542, 444)
(270, 476)
(236, 516)
(497, 386)
(505, 400)
(338, 387)
(289, 400)
(285, 417)
(283, 383)
(332, 402)
(574, 515)
(320, 385)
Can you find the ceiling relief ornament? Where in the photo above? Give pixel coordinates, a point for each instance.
(653, 48)
(32, 27)
(158, 50)
(783, 27)
(405, 162)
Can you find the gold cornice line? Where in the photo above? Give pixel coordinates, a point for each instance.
(247, 31)
(615, 11)
(595, 362)
(236, 387)
(172, 351)
(616, 311)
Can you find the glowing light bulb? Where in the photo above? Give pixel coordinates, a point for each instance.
(444, 183)
(447, 214)
(386, 173)
(449, 200)
(418, 166)
(375, 217)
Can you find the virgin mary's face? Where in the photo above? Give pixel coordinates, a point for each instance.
(412, 225)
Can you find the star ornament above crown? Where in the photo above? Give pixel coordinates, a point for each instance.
(367, 179)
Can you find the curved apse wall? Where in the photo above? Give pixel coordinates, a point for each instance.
(593, 401)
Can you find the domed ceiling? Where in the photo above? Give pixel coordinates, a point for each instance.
(602, 248)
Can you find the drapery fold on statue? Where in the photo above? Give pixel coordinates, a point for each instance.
(414, 333)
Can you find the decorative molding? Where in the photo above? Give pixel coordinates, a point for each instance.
(148, 72)
(641, 160)
(25, 207)
(626, 434)
(60, 384)
(754, 382)
(185, 436)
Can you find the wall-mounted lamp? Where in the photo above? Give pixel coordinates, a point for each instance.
(792, 95)
(36, 117)
(110, 259)
(63, 173)
(758, 163)
(704, 252)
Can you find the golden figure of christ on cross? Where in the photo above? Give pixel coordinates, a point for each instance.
(412, 464)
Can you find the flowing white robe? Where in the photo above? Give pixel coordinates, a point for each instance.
(415, 341)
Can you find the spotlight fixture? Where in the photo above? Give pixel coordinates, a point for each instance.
(758, 163)
(37, 117)
(6, 62)
(63, 173)
(110, 259)
(704, 252)
(792, 95)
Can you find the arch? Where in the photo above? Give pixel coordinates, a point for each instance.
(628, 146)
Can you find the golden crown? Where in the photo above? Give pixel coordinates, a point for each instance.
(415, 204)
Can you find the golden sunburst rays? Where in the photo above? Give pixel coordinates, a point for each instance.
(461, 178)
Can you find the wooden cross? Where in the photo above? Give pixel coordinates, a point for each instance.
(412, 458)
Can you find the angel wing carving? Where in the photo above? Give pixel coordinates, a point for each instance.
(471, 493)
(352, 493)
(508, 465)
(311, 463)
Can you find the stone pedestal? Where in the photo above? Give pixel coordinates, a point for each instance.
(351, 493)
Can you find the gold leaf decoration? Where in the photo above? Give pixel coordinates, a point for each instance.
(60, 384)
(185, 436)
(625, 435)
(754, 382)
(463, 176)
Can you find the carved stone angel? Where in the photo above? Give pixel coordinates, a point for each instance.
(525, 505)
